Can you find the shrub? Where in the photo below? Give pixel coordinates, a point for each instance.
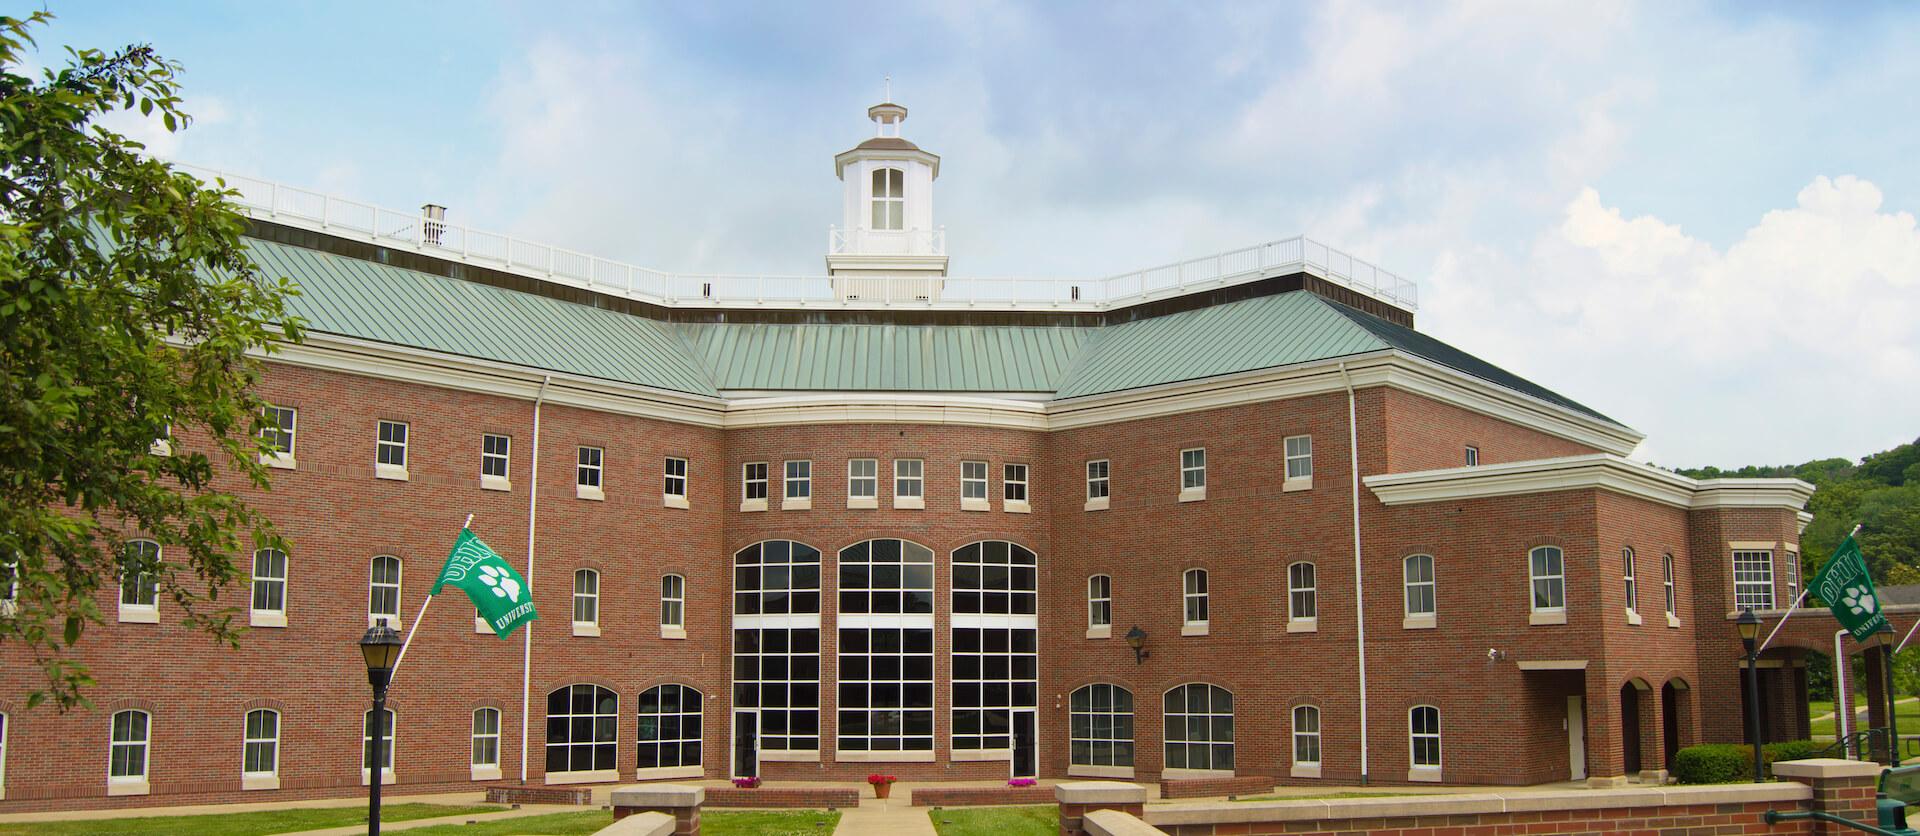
(1724, 763)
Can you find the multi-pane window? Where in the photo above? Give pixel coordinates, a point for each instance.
(996, 663)
(753, 482)
(973, 481)
(1100, 726)
(587, 474)
(776, 577)
(261, 750)
(386, 728)
(128, 761)
(863, 479)
(586, 597)
(391, 452)
(1099, 485)
(1423, 733)
(1306, 736)
(1302, 592)
(1015, 482)
(486, 737)
(673, 601)
(138, 585)
(909, 478)
(1418, 572)
(776, 641)
(886, 667)
(581, 723)
(279, 431)
(1299, 457)
(675, 483)
(1666, 571)
(1199, 727)
(1547, 566)
(495, 452)
(799, 482)
(9, 585)
(1753, 579)
(383, 590)
(1100, 601)
(1194, 596)
(1632, 585)
(889, 198)
(1473, 455)
(1793, 577)
(270, 581)
(669, 727)
(1193, 469)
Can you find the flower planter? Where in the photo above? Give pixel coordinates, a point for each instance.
(882, 790)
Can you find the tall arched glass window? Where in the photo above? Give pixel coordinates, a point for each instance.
(581, 729)
(996, 663)
(1199, 721)
(776, 642)
(886, 663)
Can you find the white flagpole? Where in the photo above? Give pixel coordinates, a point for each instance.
(416, 621)
(1803, 597)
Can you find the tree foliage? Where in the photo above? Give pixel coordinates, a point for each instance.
(128, 311)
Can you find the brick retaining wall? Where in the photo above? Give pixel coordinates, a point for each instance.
(810, 798)
(530, 794)
(980, 796)
(1216, 787)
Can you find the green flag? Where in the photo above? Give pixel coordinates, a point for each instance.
(497, 592)
(1843, 583)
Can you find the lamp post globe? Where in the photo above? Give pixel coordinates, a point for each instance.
(1137, 639)
(380, 648)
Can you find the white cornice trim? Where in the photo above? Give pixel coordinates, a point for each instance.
(1603, 471)
(884, 408)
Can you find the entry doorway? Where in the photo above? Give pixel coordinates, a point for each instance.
(1025, 750)
(746, 744)
(1577, 737)
(1670, 721)
(1630, 728)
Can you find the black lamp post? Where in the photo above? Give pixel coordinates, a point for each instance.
(381, 647)
(1749, 625)
(1883, 638)
(1137, 639)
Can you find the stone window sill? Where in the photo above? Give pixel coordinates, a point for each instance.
(883, 757)
(485, 773)
(1673, 621)
(1195, 628)
(139, 615)
(1541, 617)
(279, 461)
(670, 632)
(589, 492)
(397, 473)
(750, 505)
(910, 502)
(1633, 618)
(863, 502)
(977, 755)
(1424, 621)
(673, 500)
(259, 782)
(1305, 770)
(495, 483)
(1303, 625)
(1304, 483)
(804, 503)
(387, 778)
(1193, 494)
(1096, 504)
(1424, 774)
(266, 618)
(975, 505)
(586, 628)
(790, 755)
(1083, 771)
(1103, 631)
(662, 773)
(1016, 506)
(127, 786)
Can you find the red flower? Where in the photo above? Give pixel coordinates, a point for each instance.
(877, 779)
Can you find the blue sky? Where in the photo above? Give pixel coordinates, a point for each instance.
(1696, 218)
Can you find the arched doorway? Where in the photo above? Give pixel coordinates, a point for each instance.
(1630, 727)
(1670, 696)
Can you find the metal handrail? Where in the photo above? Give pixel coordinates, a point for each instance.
(1775, 817)
(1861, 741)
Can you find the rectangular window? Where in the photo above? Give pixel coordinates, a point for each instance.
(1793, 577)
(586, 600)
(1632, 585)
(587, 476)
(279, 434)
(494, 456)
(384, 725)
(1306, 736)
(753, 486)
(1099, 487)
(383, 591)
(1666, 571)
(1424, 736)
(1193, 472)
(863, 483)
(486, 738)
(269, 607)
(1100, 601)
(673, 603)
(673, 490)
(973, 486)
(889, 201)
(261, 749)
(1753, 579)
(1302, 594)
(1194, 598)
(128, 762)
(391, 455)
(1547, 568)
(1299, 449)
(1014, 484)
(909, 483)
(799, 485)
(1473, 456)
(139, 589)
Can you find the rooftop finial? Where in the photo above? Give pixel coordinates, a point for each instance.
(887, 96)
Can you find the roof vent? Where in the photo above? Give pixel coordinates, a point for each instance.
(433, 223)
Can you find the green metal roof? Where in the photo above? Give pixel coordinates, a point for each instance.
(937, 358)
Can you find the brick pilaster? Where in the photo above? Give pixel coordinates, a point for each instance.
(679, 801)
(1841, 787)
(1078, 798)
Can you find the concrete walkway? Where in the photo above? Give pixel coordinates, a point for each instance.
(459, 798)
(885, 817)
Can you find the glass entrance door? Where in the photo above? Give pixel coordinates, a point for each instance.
(746, 744)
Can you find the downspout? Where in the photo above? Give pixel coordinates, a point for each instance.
(1359, 576)
(533, 507)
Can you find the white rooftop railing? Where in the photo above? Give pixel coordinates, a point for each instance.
(411, 230)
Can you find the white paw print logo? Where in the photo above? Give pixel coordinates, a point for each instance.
(1859, 601)
(503, 584)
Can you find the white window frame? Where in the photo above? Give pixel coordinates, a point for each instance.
(478, 769)
(1473, 456)
(1305, 767)
(1195, 597)
(257, 615)
(503, 480)
(863, 483)
(909, 483)
(889, 207)
(1169, 739)
(674, 487)
(1014, 479)
(586, 601)
(1303, 593)
(1758, 590)
(1425, 772)
(1423, 619)
(1099, 606)
(1193, 474)
(1099, 484)
(6, 728)
(389, 754)
(1671, 592)
(678, 739)
(144, 589)
(1556, 581)
(130, 783)
(287, 429)
(1101, 724)
(754, 475)
(1299, 463)
(973, 486)
(796, 491)
(399, 591)
(268, 779)
(390, 450)
(1630, 584)
(9, 597)
(673, 606)
(590, 472)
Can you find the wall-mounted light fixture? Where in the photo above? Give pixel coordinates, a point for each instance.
(1137, 639)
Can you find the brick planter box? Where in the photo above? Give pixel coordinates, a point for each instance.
(518, 794)
(1213, 787)
(980, 796)
(799, 798)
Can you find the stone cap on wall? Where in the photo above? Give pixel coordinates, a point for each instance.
(1099, 792)
(1219, 812)
(640, 824)
(655, 796)
(1116, 823)
(1827, 768)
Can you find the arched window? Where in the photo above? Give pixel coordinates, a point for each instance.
(1418, 572)
(269, 588)
(1100, 601)
(1194, 598)
(1666, 569)
(669, 727)
(1199, 728)
(383, 591)
(1100, 726)
(586, 602)
(1548, 569)
(1303, 593)
(1632, 585)
(486, 740)
(776, 642)
(1306, 736)
(1423, 734)
(996, 667)
(387, 745)
(139, 590)
(581, 724)
(261, 751)
(889, 198)
(128, 763)
(886, 665)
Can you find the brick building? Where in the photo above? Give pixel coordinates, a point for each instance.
(1231, 517)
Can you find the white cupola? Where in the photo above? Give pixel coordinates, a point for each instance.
(887, 244)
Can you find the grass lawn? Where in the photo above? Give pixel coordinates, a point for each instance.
(714, 823)
(241, 824)
(995, 821)
(1908, 715)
